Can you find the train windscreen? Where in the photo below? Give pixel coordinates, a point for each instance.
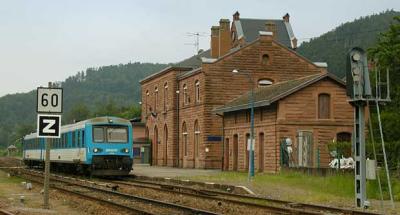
(110, 134)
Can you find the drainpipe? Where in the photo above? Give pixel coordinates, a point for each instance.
(223, 141)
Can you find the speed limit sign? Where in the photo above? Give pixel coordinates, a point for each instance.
(49, 100)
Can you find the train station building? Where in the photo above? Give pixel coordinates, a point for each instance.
(197, 111)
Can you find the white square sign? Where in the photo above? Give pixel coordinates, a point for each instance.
(49, 100)
(48, 126)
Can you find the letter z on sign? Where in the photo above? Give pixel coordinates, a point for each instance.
(48, 126)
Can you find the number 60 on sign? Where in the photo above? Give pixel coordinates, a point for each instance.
(49, 100)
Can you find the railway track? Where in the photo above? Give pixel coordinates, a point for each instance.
(130, 203)
(139, 196)
(4, 212)
(247, 200)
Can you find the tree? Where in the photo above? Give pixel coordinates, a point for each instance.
(386, 52)
(386, 55)
(78, 113)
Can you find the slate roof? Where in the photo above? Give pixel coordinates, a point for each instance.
(250, 28)
(265, 96)
(194, 61)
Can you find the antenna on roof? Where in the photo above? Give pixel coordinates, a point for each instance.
(196, 43)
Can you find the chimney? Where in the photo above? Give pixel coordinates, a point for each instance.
(286, 17)
(224, 37)
(271, 27)
(236, 16)
(294, 43)
(266, 36)
(214, 41)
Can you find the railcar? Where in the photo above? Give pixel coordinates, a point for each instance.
(100, 146)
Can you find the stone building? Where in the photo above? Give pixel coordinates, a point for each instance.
(311, 111)
(186, 106)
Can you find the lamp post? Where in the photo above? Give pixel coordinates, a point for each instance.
(251, 145)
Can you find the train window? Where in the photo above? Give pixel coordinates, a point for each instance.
(65, 141)
(83, 138)
(67, 138)
(79, 144)
(61, 141)
(117, 134)
(73, 139)
(98, 134)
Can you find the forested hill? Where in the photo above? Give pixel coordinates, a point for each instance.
(333, 46)
(96, 91)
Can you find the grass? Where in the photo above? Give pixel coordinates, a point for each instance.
(4, 179)
(301, 187)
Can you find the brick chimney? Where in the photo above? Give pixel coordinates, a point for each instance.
(266, 36)
(286, 17)
(224, 37)
(236, 16)
(271, 27)
(214, 42)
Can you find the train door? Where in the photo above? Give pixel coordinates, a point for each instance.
(79, 144)
(40, 148)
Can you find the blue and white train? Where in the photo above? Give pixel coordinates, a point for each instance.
(100, 146)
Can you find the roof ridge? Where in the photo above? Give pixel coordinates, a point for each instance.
(261, 19)
(299, 83)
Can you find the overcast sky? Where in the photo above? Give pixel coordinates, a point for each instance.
(43, 41)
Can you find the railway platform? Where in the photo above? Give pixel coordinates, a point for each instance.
(169, 172)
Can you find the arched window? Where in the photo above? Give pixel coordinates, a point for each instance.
(185, 95)
(165, 96)
(197, 91)
(324, 106)
(146, 100)
(155, 146)
(343, 137)
(155, 99)
(165, 144)
(264, 82)
(265, 59)
(196, 137)
(147, 132)
(184, 138)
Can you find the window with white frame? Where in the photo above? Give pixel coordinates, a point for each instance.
(155, 99)
(185, 138)
(196, 137)
(197, 91)
(185, 95)
(165, 96)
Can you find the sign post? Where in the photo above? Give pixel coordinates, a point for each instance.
(49, 101)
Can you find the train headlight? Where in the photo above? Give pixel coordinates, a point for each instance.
(95, 150)
(125, 150)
